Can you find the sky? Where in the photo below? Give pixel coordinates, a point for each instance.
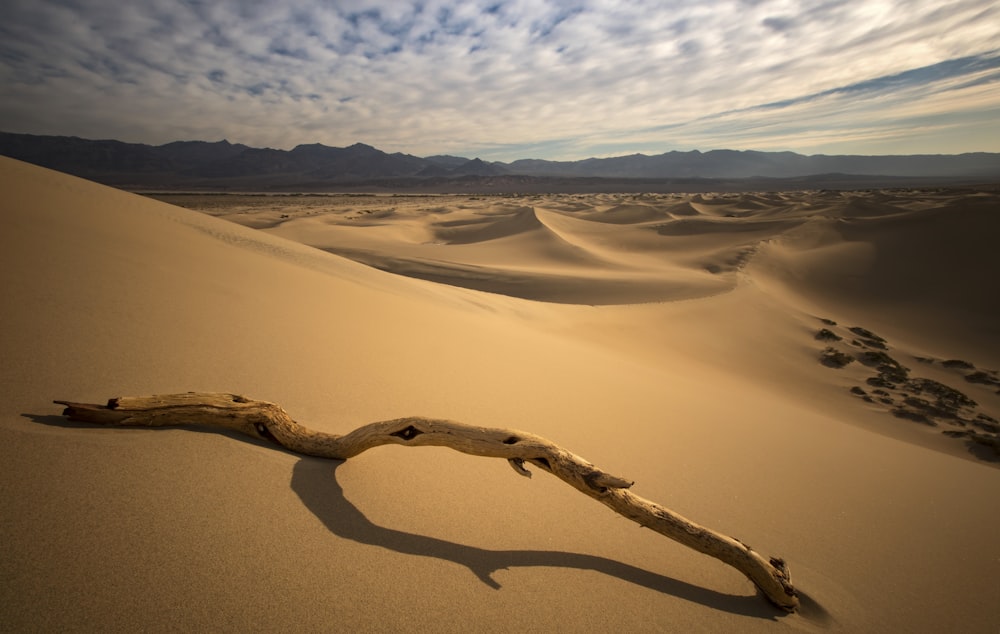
(503, 80)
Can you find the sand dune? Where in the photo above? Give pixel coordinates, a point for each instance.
(928, 272)
(675, 343)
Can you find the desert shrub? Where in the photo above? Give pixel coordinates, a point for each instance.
(936, 409)
(827, 335)
(880, 381)
(834, 358)
(957, 363)
(946, 396)
(987, 423)
(867, 334)
(888, 368)
(916, 417)
(983, 378)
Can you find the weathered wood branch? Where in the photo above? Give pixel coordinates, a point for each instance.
(263, 420)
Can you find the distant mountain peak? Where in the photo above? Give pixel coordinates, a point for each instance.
(446, 160)
(479, 167)
(303, 147)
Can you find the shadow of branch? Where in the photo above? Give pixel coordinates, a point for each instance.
(315, 482)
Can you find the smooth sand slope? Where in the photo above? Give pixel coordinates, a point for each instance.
(710, 394)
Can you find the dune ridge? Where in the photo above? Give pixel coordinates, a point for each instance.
(707, 389)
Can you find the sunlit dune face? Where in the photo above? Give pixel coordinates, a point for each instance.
(825, 398)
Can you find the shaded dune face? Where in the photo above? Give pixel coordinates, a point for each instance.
(913, 259)
(618, 249)
(599, 250)
(485, 227)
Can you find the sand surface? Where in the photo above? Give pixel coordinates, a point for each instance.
(671, 339)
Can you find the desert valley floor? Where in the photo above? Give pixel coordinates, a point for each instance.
(814, 373)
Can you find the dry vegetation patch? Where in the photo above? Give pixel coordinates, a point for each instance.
(917, 399)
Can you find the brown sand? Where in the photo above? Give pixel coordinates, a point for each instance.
(676, 347)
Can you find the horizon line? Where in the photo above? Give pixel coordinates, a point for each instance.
(356, 143)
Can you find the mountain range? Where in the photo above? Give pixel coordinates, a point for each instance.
(226, 166)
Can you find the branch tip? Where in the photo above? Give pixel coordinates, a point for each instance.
(517, 464)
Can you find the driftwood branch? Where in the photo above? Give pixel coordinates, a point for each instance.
(268, 421)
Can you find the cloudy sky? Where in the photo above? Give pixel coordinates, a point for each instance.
(506, 79)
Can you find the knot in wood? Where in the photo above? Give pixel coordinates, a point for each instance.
(407, 433)
(265, 433)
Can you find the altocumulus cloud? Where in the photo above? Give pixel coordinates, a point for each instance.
(509, 79)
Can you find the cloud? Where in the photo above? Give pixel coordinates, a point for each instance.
(499, 78)
(906, 112)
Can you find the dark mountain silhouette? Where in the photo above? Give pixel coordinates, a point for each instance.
(749, 164)
(223, 165)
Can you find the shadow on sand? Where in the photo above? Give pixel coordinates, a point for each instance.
(315, 482)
